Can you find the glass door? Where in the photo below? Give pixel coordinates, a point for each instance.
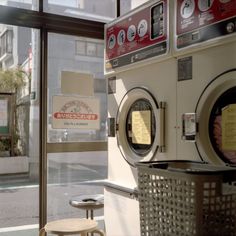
(19, 130)
(76, 125)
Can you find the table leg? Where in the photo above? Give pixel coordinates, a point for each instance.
(98, 231)
(42, 232)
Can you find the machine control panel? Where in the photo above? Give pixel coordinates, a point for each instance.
(200, 20)
(138, 35)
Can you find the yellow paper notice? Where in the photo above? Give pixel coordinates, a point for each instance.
(229, 127)
(141, 127)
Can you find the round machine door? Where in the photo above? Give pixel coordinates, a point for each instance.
(216, 111)
(140, 129)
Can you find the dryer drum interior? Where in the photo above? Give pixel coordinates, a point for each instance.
(216, 112)
(226, 101)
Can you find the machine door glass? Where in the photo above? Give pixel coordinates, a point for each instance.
(222, 126)
(76, 137)
(140, 127)
(216, 112)
(139, 121)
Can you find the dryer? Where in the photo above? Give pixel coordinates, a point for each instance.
(141, 77)
(205, 47)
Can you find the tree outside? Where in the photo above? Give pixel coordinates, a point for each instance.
(12, 81)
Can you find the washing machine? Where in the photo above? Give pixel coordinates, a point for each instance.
(141, 82)
(205, 48)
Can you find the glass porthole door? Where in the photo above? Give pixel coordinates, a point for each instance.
(140, 122)
(140, 127)
(216, 111)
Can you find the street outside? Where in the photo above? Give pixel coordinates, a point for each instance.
(19, 203)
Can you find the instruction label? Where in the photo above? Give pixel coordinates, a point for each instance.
(141, 127)
(185, 68)
(229, 128)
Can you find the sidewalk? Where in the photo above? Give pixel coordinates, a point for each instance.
(26, 230)
(14, 180)
(19, 205)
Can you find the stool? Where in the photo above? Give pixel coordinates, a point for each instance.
(88, 203)
(70, 227)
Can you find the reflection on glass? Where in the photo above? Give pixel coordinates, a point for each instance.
(127, 5)
(67, 176)
(77, 55)
(25, 4)
(19, 128)
(97, 10)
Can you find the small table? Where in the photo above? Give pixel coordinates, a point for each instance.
(88, 203)
(70, 227)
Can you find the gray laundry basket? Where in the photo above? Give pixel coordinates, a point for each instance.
(186, 198)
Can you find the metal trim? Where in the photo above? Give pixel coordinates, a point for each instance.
(114, 186)
(43, 129)
(51, 22)
(117, 8)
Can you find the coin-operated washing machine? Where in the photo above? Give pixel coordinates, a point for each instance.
(141, 78)
(205, 47)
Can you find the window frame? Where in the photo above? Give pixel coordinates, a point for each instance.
(6, 43)
(46, 23)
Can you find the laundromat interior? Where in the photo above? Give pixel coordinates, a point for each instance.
(118, 117)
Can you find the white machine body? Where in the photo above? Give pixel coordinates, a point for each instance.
(141, 77)
(205, 49)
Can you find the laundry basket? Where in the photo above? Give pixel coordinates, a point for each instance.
(186, 198)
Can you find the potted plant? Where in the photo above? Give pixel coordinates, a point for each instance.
(11, 81)
(5, 147)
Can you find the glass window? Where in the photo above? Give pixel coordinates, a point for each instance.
(19, 131)
(76, 98)
(100, 50)
(14, 52)
(127, 5)
(97, 10)
(25, 4)
(80, 47)
(72, 58)
(67, 177)
(89, 47)
(6, 42)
